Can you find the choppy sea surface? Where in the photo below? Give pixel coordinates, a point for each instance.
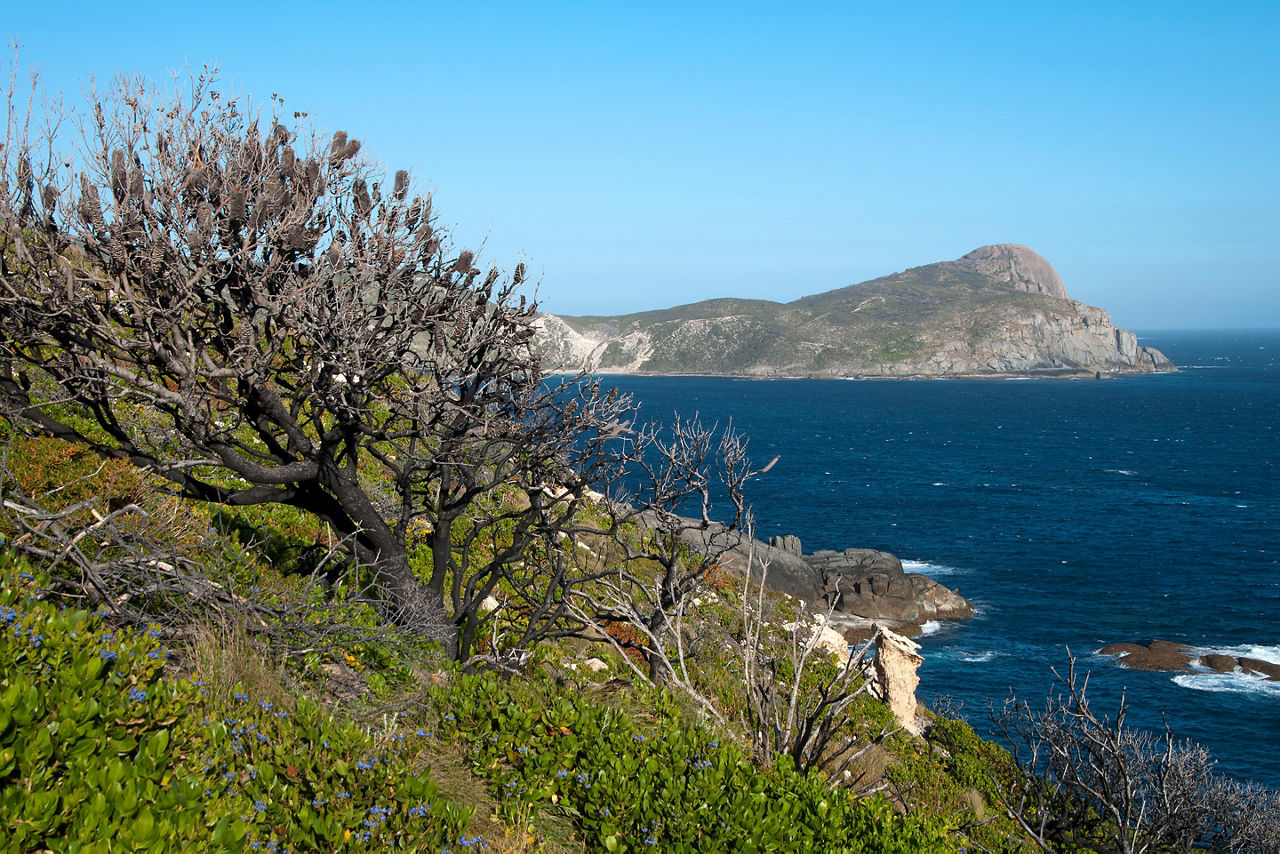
(1073, 513)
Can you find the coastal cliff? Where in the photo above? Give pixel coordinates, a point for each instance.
(999, 310)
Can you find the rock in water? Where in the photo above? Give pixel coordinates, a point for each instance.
(1158, 655)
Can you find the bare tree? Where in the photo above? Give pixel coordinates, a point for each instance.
(1090, 780)
(665, 541)
(260, 317)
(798, 701)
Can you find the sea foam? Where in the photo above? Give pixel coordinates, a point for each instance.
(1232, 683)
(925, 568)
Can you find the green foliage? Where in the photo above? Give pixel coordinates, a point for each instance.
(957, 775)
(97, 748)
(668, 787)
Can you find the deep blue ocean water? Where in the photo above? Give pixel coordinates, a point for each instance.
(1072, 513)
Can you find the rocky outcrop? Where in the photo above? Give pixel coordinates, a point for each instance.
(897, 660)
(998, 310)
(1017, 266)
(1166, 655)
(863, 587)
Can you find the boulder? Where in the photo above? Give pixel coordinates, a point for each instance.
(1258, 667)
(1158, 655)
(1219, 662)
(788, 543)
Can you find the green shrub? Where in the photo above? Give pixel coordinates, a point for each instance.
(98, 748)
(671, 787)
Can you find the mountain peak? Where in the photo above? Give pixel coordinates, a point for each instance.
(1022, 268)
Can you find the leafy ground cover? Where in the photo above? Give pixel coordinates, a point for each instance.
(100, 741)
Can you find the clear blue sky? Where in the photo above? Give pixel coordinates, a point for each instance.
(641, 155)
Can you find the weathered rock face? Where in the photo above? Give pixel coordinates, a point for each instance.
(1018, 266)
(872, 585)
(897, 660)
(788, 543)
(866, 587)
(1000, 309)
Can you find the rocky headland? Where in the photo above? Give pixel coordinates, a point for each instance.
(1169, 656)
(1000, 310)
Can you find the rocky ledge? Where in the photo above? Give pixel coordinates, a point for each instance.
(862, 587)
(1169, 656)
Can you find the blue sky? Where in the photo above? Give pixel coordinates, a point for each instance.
(644, 155)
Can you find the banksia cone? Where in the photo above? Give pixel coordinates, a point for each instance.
(361, 199)
(236, 205)
(518, 276)
(401, 186)
(25, 180)
(313, 177)
(90, 205)
(289, 163)
(463, 264)
(136, 187)
(49, 197)
(204, 222)
(341, 148)
(119, 175)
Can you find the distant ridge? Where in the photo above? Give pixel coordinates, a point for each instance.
(999, 310)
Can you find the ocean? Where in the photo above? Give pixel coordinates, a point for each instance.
(1073, 513)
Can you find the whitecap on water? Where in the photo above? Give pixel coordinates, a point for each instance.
(1237, 682)
(1232, 683)
(929, 628)
(926, 568)
(979, 657)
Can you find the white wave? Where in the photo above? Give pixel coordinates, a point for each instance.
(925, 568)
(980, 657)
(1120, 471)
(1232, 683)
(929, 628)
(938, 483)
(1258, 651)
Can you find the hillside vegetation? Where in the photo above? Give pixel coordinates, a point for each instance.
(301, 551)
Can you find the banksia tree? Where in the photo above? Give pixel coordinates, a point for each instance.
(225, 302)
